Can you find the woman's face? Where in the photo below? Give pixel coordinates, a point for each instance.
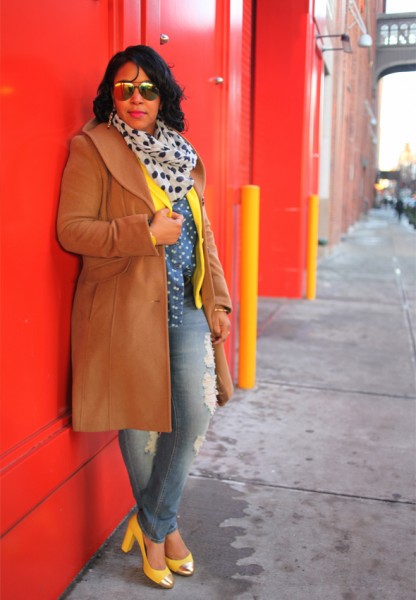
(137, 112)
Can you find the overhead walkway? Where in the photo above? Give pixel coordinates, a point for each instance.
(395, 43)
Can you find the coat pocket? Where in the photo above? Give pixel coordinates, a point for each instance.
(96, 270)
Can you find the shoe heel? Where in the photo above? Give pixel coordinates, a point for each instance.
(128, 541)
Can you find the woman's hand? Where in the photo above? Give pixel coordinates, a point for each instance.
(221, 326)
(165, 228)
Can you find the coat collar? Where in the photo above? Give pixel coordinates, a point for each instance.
(122, 163)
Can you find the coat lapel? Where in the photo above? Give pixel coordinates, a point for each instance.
(119, 160)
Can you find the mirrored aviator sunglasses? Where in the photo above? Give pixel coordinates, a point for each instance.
(124, 90)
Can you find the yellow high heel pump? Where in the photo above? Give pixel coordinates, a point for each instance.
(184, 566)
(162, 577)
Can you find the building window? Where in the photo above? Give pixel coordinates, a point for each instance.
(394, 34)
(412, 34)
(384, 35)
(404, 33)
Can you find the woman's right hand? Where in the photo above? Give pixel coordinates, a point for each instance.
(165, 228)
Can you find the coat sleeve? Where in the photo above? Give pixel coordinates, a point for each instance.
(222, 296)
(81, 227)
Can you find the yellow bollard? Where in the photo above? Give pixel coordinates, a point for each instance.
(312, 247)
(249, 268)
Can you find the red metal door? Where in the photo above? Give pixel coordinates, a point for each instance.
(203, 45)
(194, 49)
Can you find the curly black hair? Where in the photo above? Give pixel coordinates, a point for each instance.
(171, 94)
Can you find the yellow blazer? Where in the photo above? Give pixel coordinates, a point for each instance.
(161, 200)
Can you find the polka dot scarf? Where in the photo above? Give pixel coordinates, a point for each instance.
(167, 156)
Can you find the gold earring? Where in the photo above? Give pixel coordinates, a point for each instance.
(110, 118)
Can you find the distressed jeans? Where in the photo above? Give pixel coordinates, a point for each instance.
(158, 464)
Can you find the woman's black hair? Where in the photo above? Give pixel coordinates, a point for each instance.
(158, 72)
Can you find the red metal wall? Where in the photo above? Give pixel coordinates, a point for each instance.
(286, 139)
(62, 492)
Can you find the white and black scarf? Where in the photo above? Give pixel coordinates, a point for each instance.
(167, 156)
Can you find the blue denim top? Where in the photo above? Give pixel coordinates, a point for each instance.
(180, 263)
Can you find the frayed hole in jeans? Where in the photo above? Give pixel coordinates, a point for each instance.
(152, 443)
(210, 381)
(198, 443)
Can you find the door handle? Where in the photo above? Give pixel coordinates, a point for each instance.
(217, 80)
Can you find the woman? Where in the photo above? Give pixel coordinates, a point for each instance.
(151, 307)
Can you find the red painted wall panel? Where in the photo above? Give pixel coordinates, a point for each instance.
(285, 123)
(40, 557)
(43, 103)
(53, 55)
(32, 477)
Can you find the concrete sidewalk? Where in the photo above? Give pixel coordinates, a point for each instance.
(305, 488)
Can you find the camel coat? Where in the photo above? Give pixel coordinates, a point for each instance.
(120, 341)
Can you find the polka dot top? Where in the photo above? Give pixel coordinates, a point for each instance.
(180, 263)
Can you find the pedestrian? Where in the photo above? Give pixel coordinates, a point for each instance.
(399, 206)
(150, 312)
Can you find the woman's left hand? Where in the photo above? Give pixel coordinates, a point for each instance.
(221, 326)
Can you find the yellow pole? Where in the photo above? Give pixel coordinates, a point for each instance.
(249, 267)
(312, 247)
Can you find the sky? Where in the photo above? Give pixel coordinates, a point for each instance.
(397, 114)
(397, 6)
(397, 118)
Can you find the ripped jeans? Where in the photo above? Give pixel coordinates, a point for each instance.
(158, 464)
